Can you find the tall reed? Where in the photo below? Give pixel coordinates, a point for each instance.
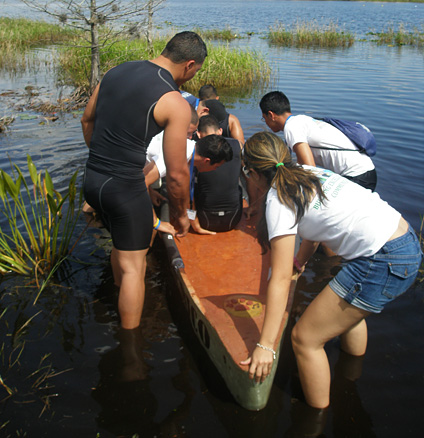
(231, 68)
(20, 33)
(225, 67)
(308, 34)
(17, 35)
(401, 37)
(217, 34)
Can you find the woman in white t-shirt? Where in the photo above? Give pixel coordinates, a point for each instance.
(382, 251)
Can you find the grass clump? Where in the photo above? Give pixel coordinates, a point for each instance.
(21, 34)
(231, 68)
(75, 62)
(217, 34)
(224, 67)
(309, 34)
(401, 37)
(36, 236)
(18, 35)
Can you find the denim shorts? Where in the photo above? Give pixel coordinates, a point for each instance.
(371, 282)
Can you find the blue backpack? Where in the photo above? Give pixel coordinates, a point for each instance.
(357, 133)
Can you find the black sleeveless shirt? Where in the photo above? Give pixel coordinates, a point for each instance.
(124, 123)
(225, 126)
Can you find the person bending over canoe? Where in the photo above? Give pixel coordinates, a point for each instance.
(382, 252)
(316, 142)
(218, 194)
(205, 155)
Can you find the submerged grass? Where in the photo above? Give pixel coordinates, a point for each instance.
(308, 34)
(24, 381)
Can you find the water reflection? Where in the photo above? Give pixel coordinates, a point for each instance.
(350, 419)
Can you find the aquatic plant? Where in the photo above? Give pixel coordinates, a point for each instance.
(234, 68)
(401, 37)
(217, 34)
(18, 35)
(307, 34)
(38, 223)
(23, 384)
(225, 67)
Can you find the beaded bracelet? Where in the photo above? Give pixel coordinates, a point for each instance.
(267, 349)
(157, 224)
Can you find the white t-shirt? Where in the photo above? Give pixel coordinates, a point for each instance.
(305, 129)
(155, 152)
(353, 221)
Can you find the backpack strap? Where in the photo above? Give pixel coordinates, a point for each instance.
(335, 149)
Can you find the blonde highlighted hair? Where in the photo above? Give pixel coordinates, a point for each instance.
(296, 187)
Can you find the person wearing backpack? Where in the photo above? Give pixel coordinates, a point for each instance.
(318, 143)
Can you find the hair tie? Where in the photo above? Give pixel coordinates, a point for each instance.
(279, 164)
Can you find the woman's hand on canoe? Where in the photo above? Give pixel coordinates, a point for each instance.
(260, 364)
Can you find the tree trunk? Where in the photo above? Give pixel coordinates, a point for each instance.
(150, 26)
(95, 52)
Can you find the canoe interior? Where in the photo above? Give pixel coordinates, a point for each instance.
(226, 275)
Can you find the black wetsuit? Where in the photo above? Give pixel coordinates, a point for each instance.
(225, 126)
(217, 194)
(123, 127)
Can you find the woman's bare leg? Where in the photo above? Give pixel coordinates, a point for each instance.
(325, 318)
(354, 341)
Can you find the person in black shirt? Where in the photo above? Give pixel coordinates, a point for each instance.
(135, 101)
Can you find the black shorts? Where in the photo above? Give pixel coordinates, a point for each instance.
(125, 209)
(219, 221)
(367, 179)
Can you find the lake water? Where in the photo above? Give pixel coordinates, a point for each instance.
(181, 394)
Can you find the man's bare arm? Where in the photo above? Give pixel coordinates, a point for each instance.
(304, 154)
(235, 128)
(87, 119)
(173, 113)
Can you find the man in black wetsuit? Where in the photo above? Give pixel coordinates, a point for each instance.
(135, 101)
(217, 194)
